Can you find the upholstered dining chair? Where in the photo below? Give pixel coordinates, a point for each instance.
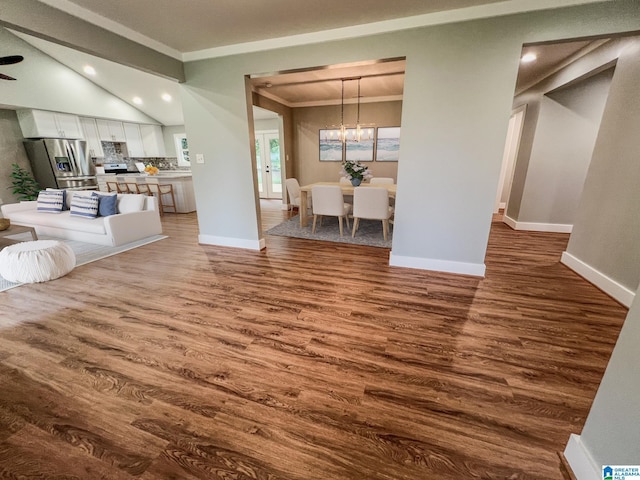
(381, 180)
(328, 201)
(293, 190)
(346, 181)
(371, 203)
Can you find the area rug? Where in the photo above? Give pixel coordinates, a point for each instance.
(369, 232)
(86, 252)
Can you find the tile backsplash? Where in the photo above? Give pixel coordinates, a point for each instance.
(116, 152)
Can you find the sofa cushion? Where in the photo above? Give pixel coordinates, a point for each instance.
(84, 207)
(50, 201)
(107, 204)
(63, 221)
(128, 203)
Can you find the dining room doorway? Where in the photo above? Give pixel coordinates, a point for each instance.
(268, 163)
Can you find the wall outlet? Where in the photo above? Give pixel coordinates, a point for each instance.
(199, 158)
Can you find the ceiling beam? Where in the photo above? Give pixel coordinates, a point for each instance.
(40, 20)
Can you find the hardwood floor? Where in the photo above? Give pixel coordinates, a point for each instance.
(308, 360)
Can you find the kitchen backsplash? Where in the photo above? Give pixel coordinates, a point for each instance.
(116, 152)
(163, 163)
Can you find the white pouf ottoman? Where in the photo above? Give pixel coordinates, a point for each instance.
(36, 261)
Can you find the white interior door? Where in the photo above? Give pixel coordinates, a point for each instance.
(509, 159)
(268, 164)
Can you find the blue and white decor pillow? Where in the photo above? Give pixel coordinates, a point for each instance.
(50, 201)
(84, 206)
(65, 203)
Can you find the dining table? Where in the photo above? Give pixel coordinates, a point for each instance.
(347, 189)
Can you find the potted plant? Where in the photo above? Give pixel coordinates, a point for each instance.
(355, 171)
(24, 186)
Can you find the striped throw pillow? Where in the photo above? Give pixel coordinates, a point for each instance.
(84, 206)
(50, 201)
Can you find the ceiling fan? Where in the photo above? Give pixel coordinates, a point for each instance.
(10, 60)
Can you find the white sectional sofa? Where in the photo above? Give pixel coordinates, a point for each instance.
(141, 218)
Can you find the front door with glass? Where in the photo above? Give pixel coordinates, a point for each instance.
(268, 164)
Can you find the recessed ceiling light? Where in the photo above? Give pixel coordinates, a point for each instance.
(89, 70)
(528, 57)
(166, 97)
(137, 100)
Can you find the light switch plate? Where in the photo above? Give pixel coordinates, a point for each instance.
(199, 158)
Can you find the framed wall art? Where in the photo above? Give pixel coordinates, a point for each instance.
(361, 151)
(330, 146)
(388, 144)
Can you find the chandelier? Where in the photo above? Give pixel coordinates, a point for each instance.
(350, 132)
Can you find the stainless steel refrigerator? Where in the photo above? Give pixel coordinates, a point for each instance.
(61, 163)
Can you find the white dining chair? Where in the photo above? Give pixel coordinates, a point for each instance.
(293, 190)
(328, 201)
(382, 180)
(345, 181)
(371, 203)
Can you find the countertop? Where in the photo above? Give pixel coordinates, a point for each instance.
(165, 174)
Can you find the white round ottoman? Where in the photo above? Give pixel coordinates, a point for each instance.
(36, 261)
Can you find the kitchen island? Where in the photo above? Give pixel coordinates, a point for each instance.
(182, 185)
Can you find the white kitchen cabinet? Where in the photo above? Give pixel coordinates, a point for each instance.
(110, 130)
(90, 130)
(152, 141)
(44, 124)
(133, 139)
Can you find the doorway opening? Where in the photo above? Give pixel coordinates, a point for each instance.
(269, 164)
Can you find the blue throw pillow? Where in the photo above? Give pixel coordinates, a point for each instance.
(84, 206)
(107, 204)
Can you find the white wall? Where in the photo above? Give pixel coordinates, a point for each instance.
(168, 133)
(567, 126)
(606, 233)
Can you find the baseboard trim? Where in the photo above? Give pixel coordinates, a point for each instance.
(232, 242)
(509, 221)
(582, 464)
(474, 269)
(537, 227)
(608, 285)
(567, 472)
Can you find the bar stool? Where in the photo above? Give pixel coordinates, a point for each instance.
(116, 187)
(162, 191)
(132, 187)
(144, 189)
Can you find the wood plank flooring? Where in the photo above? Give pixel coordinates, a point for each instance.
(305, 361)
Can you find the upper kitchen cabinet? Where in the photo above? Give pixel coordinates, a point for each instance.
(152, 141)
(133, 139)
(110, 130)
(92, 137)
(43, 124)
